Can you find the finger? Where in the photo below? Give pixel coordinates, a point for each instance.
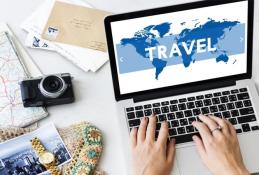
(171, 151)
(133, 137)
(222, 123)
(151, 128)
(210, 123)
(232, 129)
(163, 134)
(204, 132)
(200, 147)
(142, 130)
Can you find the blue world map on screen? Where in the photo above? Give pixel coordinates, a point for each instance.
(223, 38)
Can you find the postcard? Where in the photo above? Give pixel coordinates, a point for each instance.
(18, 157)
(76, 25)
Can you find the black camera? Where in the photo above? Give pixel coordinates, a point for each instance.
(47, 91)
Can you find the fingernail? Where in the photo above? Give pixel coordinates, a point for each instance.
(193, 137)
(173, 141)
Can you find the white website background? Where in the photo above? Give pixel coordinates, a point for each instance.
(178, 74)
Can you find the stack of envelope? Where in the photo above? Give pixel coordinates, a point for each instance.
(85, 58)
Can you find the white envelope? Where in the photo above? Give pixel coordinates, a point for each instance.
(86, 59)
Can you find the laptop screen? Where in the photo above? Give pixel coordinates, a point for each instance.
(180, 47)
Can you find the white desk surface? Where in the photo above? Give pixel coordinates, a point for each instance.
(94, 91)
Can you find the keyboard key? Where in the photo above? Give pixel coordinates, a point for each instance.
(222, 107)
(213, 109)
(232, 98)
(173, 102)
(189, 129)
(165, 109)
(172, 132)
(148, 112)
(191, 98)
(182, 100)
(165, 103)
(224, 99)
(230, 106)
(205, 110)
(217, 94)
(175, 123)
(226, 114)
(190, 105)
(157, 110)
(234, 91)
(218, 114)
(254, 128)
(233, 121)
(155, 105)
(162, 117)
(173, 108)
(148, 106)
(239, 104)
(199, 104)
(208, 95)
(207, 102)
(246, 119)
(158, 126)
(215, 101)
(135, 122)
(238, 131)
(191, 119)
(234, 113)
(156, 135)
(188, 113)
(129, 109)
(181, 130)
(243, 90)
(171, 116)
(183, 122)
(179, 114)
(225, 92)
(247, 103)
(138, 107)
(246, 127)
(139, 114)
(196, 111)
(243, 96)
(200, 97)
(182, 106)
(184, 138)
(131, 115)
(246, 111)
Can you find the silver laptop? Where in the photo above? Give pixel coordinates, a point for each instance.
(182, 61)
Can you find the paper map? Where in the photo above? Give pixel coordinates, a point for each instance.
(12, 112)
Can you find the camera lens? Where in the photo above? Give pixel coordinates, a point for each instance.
(52, 86)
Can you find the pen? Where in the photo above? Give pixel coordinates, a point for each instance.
(17, 54)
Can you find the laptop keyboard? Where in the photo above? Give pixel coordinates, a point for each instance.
(234, 105)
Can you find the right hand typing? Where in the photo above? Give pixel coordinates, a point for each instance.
(219, 149)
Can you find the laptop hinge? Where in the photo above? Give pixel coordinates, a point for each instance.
(185, 90)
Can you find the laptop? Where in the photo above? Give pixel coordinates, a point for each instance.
(182, 61)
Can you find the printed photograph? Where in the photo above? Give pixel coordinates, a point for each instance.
(17, 156)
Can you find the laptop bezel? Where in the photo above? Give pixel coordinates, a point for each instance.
(169, 9)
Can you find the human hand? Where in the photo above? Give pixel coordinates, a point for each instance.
(219, 148)
(150, 157)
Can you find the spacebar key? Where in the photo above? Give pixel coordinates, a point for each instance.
(184, 138)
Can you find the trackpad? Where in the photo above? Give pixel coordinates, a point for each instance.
(189, 162)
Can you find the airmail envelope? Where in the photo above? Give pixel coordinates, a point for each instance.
(76, 25)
